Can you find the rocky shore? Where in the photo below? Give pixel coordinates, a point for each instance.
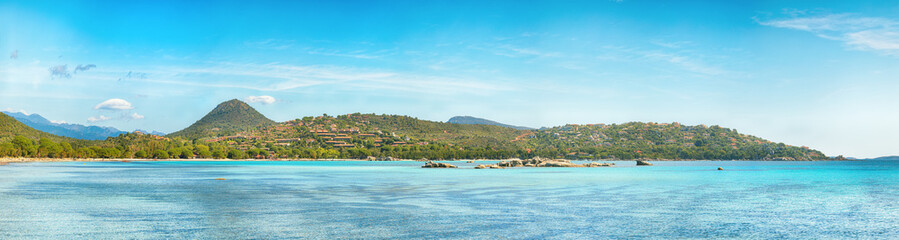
(541, 162)
(432, 164)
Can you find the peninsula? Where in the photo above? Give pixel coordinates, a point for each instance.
(234, 130)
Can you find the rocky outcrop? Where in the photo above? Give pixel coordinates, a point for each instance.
(383, 159)
(643, 163)
(596, 164)
(720, 168)
(541, 162)
(432, 164)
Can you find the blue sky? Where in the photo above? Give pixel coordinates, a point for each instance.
(815, 73)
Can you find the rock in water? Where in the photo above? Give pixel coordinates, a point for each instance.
(480, 166)
(720, 168)
(595, 164)
(643, 163)
(432, 164)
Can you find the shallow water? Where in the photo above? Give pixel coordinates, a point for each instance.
(374, 200)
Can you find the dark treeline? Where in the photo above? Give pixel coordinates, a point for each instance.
(137, 146)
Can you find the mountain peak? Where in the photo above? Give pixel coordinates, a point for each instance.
(474, 120)
(226, 118)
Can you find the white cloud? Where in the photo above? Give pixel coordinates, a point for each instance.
(114, 104)
(135, 116)
(14, 111)
(58, 121)
(862, 33)
(260, 99)
(98, 118)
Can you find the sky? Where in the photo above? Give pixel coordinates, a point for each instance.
(823, 74)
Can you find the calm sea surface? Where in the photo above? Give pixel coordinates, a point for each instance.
(374, 200)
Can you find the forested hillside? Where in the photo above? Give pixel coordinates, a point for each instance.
(235, 130)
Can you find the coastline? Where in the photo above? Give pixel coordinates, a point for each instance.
(25, 160)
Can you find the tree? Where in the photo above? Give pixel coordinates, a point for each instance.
(159, 154)
(236, 154)
(218, 154)
(141, 154)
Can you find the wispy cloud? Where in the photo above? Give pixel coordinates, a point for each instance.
(15, 111)
(271, 44)
(83, 68)
(100, 118)
(135, 116)
(60, 71)
(354, 54)
(863, 33)
(14, 54)
(276, 77)
(123, 116)
(512, 51)
(685, 62)
(260, 99)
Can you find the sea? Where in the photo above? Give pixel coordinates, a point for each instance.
(401, 200)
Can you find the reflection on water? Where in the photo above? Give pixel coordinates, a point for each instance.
(401, 200)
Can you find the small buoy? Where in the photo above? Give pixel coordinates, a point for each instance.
(221, 179)
(720, 168)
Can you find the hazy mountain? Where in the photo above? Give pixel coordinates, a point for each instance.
(157, 133)
(887, 158)
(227, 118)
(474, 120)
(65, 129)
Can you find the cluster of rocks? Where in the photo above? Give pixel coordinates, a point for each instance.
(541, 162)
(643, 163)
(432, 164)
(370, 158)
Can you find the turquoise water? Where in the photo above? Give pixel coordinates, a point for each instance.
(375, 200)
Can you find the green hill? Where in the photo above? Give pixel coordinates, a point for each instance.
(477, 135)
(474, 120)
(662, 140)
(226, 119)
(10, 127)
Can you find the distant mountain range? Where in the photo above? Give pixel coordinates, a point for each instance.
(227, 118)
(65, 129)
(474, 120)
(157, 133)
(887, 158)
(10, 127)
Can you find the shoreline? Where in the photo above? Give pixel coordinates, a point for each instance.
(26, 160)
